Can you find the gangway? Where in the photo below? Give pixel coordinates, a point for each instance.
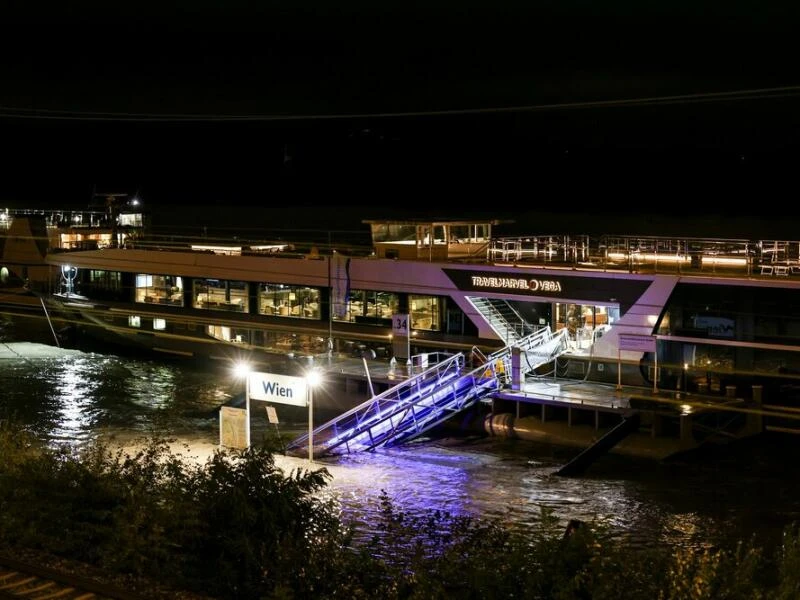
(426, 400)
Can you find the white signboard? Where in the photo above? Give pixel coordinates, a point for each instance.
(233, 427)
(400, 324)
(637, 343)
(280, 389)
(272, 415)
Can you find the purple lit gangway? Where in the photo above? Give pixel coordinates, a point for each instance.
(427, 399)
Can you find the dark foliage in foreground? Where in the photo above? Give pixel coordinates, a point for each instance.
(239, 527)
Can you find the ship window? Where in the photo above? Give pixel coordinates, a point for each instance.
(584, 322)
(219, 332)
(159, 289)
(105, 280)
(159, 324)
(134, 321)
(130, 220)
(220, 294)
(425, 312)
(370, 307)
(281, 300)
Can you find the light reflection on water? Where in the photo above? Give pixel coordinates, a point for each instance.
(69, 396)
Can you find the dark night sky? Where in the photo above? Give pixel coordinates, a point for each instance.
(294, 59)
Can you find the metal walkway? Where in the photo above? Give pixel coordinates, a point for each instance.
(427, 399)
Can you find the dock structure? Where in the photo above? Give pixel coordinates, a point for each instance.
(597, 417)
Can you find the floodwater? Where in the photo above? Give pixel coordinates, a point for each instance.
(707, 499)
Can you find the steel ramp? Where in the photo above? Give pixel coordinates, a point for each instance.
(422, 402)
(410, 407)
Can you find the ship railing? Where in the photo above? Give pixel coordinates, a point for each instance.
(680, 255)
(538, 348)
(635, 254)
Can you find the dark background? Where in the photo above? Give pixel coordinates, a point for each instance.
(686, 111)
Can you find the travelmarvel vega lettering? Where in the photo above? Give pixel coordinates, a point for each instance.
(517, 283)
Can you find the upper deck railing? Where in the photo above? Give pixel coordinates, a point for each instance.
(58, 218)
(634, 254)
(652, 254)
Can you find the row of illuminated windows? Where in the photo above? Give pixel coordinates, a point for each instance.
(223, 294)
(136, 321)
(217, 331)
(276, 340)
(361, 306)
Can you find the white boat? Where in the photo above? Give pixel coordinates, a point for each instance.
(692, 314)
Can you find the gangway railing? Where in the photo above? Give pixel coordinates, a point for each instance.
(420, 401)
(543, 347)
(538, 348)
(426, 400)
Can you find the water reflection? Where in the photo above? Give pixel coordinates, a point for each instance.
(699, 502)
(75, 415)
(75, 397)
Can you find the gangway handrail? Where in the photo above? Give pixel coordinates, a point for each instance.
(425, 412)
(475, 351)
(388, 396)
(528, 345)
(479, 383)
(425, 400)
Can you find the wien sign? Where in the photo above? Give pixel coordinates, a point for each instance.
(281, 389)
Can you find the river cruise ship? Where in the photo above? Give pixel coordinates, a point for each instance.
(693, 314)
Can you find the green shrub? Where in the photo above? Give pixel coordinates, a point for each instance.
(237, 526)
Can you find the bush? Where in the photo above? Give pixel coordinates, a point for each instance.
(239, 527)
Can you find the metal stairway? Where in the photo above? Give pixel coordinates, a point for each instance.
(503, 318)
(426, 400)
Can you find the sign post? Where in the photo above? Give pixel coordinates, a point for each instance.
(247, 410)
(310, 424)
(312, 378)
(401, 335)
